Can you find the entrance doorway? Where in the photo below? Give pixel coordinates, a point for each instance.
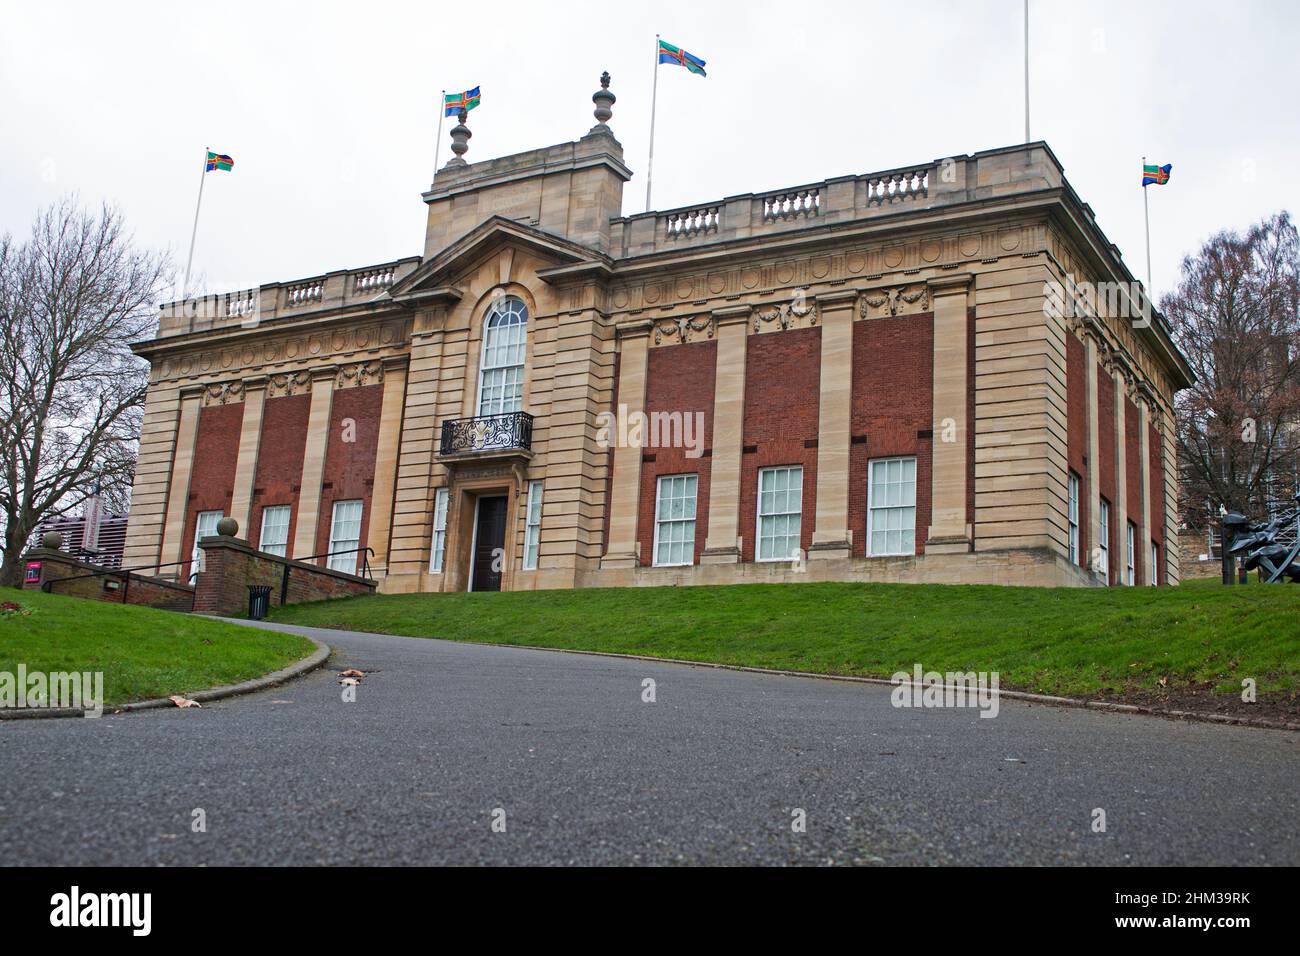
(488, 557)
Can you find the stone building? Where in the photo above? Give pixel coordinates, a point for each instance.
(923, 374)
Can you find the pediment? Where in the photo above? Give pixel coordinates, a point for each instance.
(438, 276)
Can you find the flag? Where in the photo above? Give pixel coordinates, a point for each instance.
(1156, 175)
(218, 161)
(453, 103)
(672, 54)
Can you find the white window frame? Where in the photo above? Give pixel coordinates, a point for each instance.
(345, 562)
(1130, 572)
(689, 483)
(196, 557)
(533, 526)
(1155, 565)
(1072, 517)
(872, 508)
(1103, 538)
(758, 524)
(270, 546)
(438, 546)
(507, 318)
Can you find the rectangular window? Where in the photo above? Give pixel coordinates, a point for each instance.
(439, 531)
(533, 526)
(1130, 574)
(1103, 540)
(675, 520)
(1073, 518)
(1155, 564)
(891, 506)
(780, 505)
(204, 527)
(275, 530)
(345, 535)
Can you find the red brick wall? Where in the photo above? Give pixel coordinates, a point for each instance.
(1157, 519)
(212, 476)
(279, 461)
(349, 471)
(892, 400)
(229, 567)
(782, 382)
(680, 379)
(1106, 466)
(1076, 393)
(1133, 488)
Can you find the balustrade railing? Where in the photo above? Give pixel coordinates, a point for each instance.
(486, 433)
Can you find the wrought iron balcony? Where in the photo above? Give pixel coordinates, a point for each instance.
(512, 431)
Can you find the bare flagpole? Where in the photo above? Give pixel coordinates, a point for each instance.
(654, 96)
(1026, 71)
(437, 142)
(185, 289)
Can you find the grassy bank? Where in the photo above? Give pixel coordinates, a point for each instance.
(1200, 638)
(142, 653)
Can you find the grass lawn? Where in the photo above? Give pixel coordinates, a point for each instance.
(143, 653)
(1201, 638)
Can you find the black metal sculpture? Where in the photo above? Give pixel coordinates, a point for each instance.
(1272, 546)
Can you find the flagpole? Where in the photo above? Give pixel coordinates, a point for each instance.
(437, 143)
(185, 289)
(1026, 71)
(654, 97)
(1146, 209)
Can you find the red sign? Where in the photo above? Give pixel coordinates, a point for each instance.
(33, 574)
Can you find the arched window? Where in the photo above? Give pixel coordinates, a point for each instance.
(501, 367)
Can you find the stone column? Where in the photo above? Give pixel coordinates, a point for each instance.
(390, 436)
(625, 494)
(1092, 366)
(723, 545)
(831, 535)
(313, 463)
(949, 531)
(1145, 569)
(1119, 548)
(250, 439)
(178, 494)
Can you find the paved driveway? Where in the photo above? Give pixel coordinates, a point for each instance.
(581, 770)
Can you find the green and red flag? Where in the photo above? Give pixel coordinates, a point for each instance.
(675, 54)
(218, 161)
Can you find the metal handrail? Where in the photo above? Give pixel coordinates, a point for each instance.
(365, 567)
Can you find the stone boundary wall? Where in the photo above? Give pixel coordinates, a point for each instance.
(113, 587)
(230, 565)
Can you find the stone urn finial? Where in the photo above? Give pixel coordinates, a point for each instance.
(51, 541)
(603, 99)
(460, 135)
(227, 527)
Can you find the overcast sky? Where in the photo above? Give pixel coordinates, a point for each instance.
(330, 109)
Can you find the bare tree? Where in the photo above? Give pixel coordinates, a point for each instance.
(72, 299)
(1236, 316)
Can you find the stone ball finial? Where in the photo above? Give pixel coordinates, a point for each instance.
(603, 99)
(460, 135)
(227, 527)
(51, 541)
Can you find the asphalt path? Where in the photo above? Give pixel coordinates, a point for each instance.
(464, 754)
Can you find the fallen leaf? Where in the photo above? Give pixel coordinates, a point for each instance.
(352, 672)
(349, 681)
(1163, 682)
(180, 701)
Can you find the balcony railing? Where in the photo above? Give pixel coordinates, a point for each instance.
(512, 431)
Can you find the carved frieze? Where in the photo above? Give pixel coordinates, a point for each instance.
(359, 373)
(789, 315)
(895, 300)
(684, 329)
(288, 383)
(223, 393)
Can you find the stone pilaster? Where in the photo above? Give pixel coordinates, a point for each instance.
(313, 464)
(949, 531)
(1145, 570)
(1092, 366)
(390, 436)
(722, 544)
(179, 488)
(1120, 545)
(831, 535)
(625, 495)
(250, 438)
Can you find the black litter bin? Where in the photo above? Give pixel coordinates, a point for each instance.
(259, 600)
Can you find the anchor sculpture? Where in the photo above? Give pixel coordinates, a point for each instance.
(1272, 546)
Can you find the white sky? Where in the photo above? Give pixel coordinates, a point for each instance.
(330, 109)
